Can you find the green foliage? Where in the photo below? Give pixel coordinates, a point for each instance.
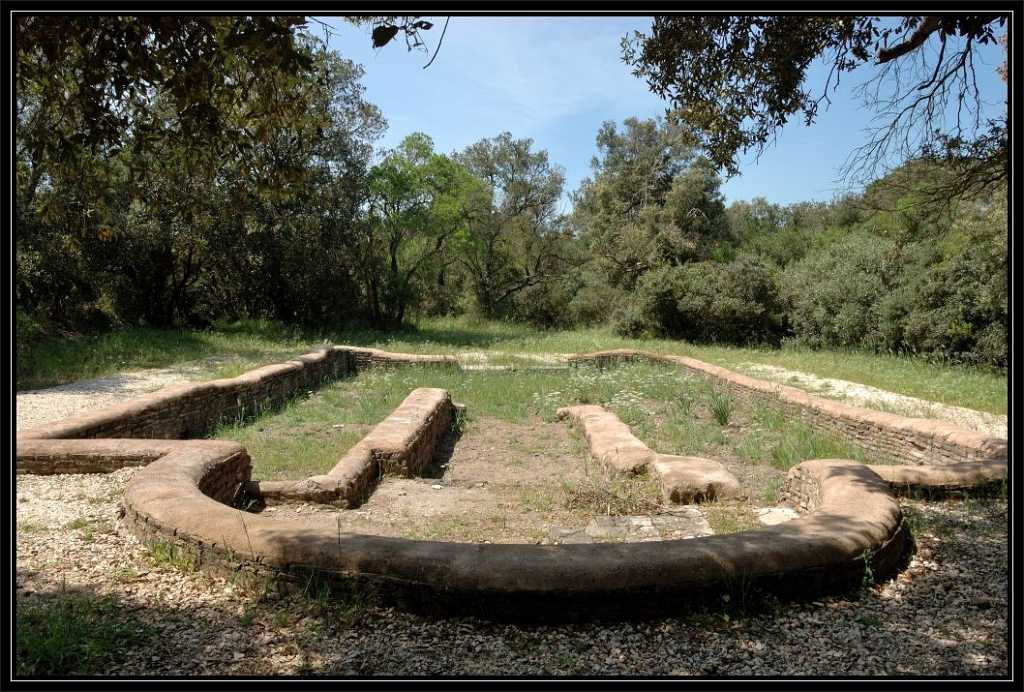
(707, 301)
(182, 171)
(919, 282)
(834, 294)
(721, 406)
(418, 202)
(650, 202)
(515, 241)
(73, 635)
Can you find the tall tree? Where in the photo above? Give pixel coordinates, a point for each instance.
(417, 201)
(649, 200)
(514, 240)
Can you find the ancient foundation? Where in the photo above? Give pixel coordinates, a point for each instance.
(188, 490)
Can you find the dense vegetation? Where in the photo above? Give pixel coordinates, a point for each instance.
(269, 201)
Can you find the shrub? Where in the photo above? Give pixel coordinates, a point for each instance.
(707, 301)
(834, 293)
(721, 407)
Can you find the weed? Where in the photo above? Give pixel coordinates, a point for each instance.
(870, 620)
(770, 494)
(27, 527)
(126, 575)
(163, 553)
(247, 617)
(685, 404)
(868, 578)
(621, 496)
(73, 635)
(77, 524)
(728, 517)
(721, 406)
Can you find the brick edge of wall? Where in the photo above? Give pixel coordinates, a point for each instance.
(899, 439)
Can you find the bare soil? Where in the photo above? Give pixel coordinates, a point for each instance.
(503, 482)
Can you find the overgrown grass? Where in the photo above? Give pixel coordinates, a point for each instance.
(73, 635)
(311, 433)
(243, 344)
(619, 496)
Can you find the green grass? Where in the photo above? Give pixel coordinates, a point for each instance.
(74, 635)
(165, 554)
(721, 407)
(245, 344)
(311, 433)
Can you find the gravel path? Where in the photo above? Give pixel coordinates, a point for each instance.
(945, 615)
(873, 397)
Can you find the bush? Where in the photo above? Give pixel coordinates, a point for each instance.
(595, 304)
(834, 294)
(706, 301)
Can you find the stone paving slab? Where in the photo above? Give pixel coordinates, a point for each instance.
(682, 522)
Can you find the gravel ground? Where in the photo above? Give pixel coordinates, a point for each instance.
(873, 397)
(945, 615)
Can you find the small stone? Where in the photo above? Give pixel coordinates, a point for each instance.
(436, 487)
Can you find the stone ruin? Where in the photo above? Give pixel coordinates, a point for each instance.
(189, 492)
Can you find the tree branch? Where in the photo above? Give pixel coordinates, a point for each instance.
(928, 27)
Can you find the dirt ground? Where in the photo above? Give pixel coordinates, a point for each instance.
(503, 482)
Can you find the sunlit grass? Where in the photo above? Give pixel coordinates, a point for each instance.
(313, 431)
(242, 345)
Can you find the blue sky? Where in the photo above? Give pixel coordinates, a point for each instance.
(556, 79)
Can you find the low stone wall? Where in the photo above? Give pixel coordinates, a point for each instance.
(855, 522)
(899, 439)
(193, 409)
(403, 443)
(938, 480)
(682, 479)
(186, 490)
(610, 441)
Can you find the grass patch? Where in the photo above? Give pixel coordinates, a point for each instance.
(720, 405)
(29, 527)
(312, 432)
(73, 635)
(168, 555)
(729, 517)
(620, 496)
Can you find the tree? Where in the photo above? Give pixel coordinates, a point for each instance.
(514, 239)
(649, 202)
(154, 237)
(95, 81)
(417, 202)
(737, 80)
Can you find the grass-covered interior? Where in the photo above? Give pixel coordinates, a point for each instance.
(671, 411)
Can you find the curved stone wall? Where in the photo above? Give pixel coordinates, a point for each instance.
(853, 517)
